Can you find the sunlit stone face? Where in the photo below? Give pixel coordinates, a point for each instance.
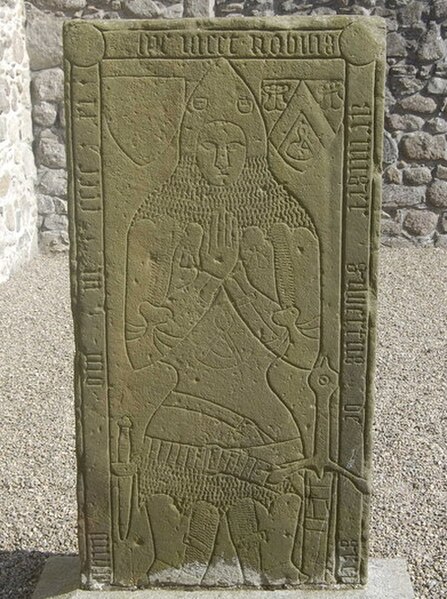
(225, 210)
(221, 152)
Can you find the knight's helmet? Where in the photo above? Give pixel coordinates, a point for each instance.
(222, 161)
(223, 97)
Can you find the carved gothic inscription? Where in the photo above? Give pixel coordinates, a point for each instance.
(225, 190)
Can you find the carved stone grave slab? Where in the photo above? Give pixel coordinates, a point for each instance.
(225, 192)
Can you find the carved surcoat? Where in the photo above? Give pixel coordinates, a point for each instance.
(236, 341)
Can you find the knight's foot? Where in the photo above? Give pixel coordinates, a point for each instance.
(282, 574)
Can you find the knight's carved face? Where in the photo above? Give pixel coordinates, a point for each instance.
(221, 152)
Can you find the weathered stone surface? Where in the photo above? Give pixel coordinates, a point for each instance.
(55, 222)
(390, 151)
(388, 579)
(437, 194)
(44, 114)
(63, 5)
(4, 96)
(143, 8)
(44, 38)
(60, 207)
(392, 175)
(423, 146)
(402, 85)
(441, 241)
(61, 114)
(440, 9)
(420, 222)
(432, 45)
(53, 241)
(441, 171)
(53, 182)
(197, 8)
(396, 196)
(50, 150)
(417, 175)
(2, 127)
(174, 11)
(410, 15)
(18, 47)
(437, 125)
(405, 79)
(45, 204)
(426, 71)
(419, 103)
(390, 227)
(5, 182)
(443, 222)
(403, 70)
(48, 85)
(440, 70)
(205, 194)
(17, 169)
(404, 122)
(396, 45)
(437, 85)
(390, 100)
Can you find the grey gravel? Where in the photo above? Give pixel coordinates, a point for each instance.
(37, 463)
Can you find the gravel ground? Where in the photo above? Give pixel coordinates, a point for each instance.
(37, 464)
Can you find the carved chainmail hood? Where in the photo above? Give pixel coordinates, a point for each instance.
(255, 198)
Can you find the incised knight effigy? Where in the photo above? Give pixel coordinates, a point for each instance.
(225, 187)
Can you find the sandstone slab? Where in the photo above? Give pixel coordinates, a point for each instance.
(225, 192)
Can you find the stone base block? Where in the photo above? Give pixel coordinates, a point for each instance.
(388, 579)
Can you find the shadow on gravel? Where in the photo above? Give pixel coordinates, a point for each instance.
(19, 572)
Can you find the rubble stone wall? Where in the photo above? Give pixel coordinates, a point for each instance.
(18, 232)
(415, 157)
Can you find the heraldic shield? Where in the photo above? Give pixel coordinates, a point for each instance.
(142, 131)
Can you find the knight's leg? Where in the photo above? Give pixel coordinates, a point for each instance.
(200, 541)
(247, 538)
(168, 527)
(279, 525)
(183, 543)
